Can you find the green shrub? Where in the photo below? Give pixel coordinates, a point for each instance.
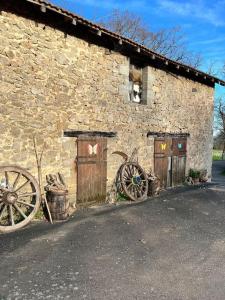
(122, 197)
(194, 173)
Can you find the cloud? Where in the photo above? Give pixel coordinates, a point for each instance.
(209, 42)
(199, 9)
(216, 54)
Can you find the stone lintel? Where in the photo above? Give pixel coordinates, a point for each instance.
(77, 133)
(167, 134)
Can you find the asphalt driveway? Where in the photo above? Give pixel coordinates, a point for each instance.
(170, 247)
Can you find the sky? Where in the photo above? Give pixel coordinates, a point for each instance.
(202, 21)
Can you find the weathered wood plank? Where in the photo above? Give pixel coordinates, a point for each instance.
(74, 133)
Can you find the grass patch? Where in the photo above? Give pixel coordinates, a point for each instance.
(217, 154)
(39, 215)
(122, 197)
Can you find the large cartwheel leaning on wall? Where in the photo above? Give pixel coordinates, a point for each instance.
(19, 198)
(131, 179)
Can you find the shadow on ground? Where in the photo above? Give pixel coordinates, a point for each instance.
(170, 247)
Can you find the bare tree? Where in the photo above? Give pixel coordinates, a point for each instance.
(220, 123)
(168, 42)
(212, 69)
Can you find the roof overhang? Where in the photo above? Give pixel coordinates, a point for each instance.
(140, 50)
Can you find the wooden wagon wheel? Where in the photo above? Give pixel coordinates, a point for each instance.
(119, 188)
(134, 181)
(19, 198)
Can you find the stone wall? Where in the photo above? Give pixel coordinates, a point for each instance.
(50, 82)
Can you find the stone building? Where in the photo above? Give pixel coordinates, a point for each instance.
(75, 85)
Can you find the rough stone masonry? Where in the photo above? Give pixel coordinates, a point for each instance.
(51, 82)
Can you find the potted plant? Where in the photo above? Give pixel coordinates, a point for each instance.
(195, 175)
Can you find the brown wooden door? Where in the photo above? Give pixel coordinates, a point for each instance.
(179, 149)
(91, 170)
(162, 161)
(170, 161)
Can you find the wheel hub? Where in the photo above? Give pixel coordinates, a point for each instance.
(10, 197)
(136, 180)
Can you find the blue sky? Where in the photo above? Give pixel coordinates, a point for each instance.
(203, 21)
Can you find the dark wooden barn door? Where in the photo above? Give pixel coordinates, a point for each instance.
(91, 170)
(162, 164)
(179, 146)
(170, 160)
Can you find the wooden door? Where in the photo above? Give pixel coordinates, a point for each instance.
(162, 161)
(179, 149)
(91, 170)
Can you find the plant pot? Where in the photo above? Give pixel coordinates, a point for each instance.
(196, 180)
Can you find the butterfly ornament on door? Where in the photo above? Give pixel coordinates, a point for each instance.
(163, 146)
(93, 150)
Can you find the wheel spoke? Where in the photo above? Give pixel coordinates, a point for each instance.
(127, 170)
(132, 189)
(6, 179)
(23, 185)
(11, 215)
(127, 180)
(125, 177)
(130, 185)
(126, 173)
(131, 170)
(138, 191)
(135, 191)
(16, 180)
(25, 203)
(141, 174)
(2, 210)
(135, 171)
(19, 210)
(26, 195)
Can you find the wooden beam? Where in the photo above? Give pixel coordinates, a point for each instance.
(99, 33)
(74, 22)
(77, 133)
(167, 134)
(43, 8)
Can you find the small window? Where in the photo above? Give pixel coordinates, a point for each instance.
(135, 81)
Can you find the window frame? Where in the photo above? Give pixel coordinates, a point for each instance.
(139, 68)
